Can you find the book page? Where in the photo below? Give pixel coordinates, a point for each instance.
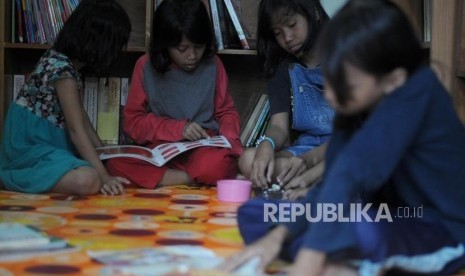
(165, 152)
(127, 151)
(162, 153)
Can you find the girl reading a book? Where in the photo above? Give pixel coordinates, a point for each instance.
(48, 141)
(396, 155)
(179, 92)
(287, 32)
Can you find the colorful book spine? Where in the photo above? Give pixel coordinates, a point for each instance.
(216, 24)
(237, 24)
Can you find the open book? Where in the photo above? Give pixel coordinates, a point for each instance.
(161, 153)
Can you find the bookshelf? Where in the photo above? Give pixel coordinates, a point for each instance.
(19, 58)
(2, 63)
(460, 71)
(447, 47)
(414, 10)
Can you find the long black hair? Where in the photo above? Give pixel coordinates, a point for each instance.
(270, 54)
(374, 36)
(173, 19)
(95, 33)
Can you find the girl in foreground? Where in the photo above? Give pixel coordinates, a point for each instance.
(397, 144)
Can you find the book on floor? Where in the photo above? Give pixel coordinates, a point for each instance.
(19, 241)
(162, 153)
(18, 236)
(167, 260)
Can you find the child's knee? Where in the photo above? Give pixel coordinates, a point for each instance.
(220, 168)
(87, 182)
(117, 166)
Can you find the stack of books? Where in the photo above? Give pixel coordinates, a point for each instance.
(18, 241)
(257, 122)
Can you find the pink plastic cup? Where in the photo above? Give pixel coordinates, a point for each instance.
(233, 190)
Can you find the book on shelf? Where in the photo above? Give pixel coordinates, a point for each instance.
(262, 118)
(427, 16)
(90, 99)
(39, 22)
(223, 23)
(162, 153)
(136, 13)
(108, 109)
(216, 24)
(125, 86)
(228, 31)
(237, 24)
(13, 85)
(247, 11)
(253, 118)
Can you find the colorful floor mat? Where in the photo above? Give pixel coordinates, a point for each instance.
(180, 215)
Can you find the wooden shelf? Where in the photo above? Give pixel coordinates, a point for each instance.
(9, 45)
(237, 52)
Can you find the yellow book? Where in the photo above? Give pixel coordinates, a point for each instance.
(108, 110)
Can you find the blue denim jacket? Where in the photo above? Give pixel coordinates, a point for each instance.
(311, 114)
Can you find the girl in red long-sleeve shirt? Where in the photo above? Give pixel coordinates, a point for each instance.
(179, 92)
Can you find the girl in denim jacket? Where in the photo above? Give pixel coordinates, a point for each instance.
(287, 32)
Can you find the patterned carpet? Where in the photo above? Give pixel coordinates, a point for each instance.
(180, 215)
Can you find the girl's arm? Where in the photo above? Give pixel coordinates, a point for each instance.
(139, 122)
(315, 156)
(90, 130)
(278, 130)
(69, 97)
(308, 263)
(263, 164)
(225, 112)
(312, 168)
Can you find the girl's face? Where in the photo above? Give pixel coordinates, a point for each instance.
(290, 32)
(365, 91)
(187, 55)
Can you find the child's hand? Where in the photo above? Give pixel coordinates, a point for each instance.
(193, 132)
(293, 167)
(113, 185)
(267, 249)
(263, 166)
(295, 194)
(306, 179)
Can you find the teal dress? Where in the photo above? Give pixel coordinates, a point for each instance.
(36, 151)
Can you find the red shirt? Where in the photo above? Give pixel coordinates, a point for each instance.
(147, 129)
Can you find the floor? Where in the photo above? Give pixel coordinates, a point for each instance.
(181, 215)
